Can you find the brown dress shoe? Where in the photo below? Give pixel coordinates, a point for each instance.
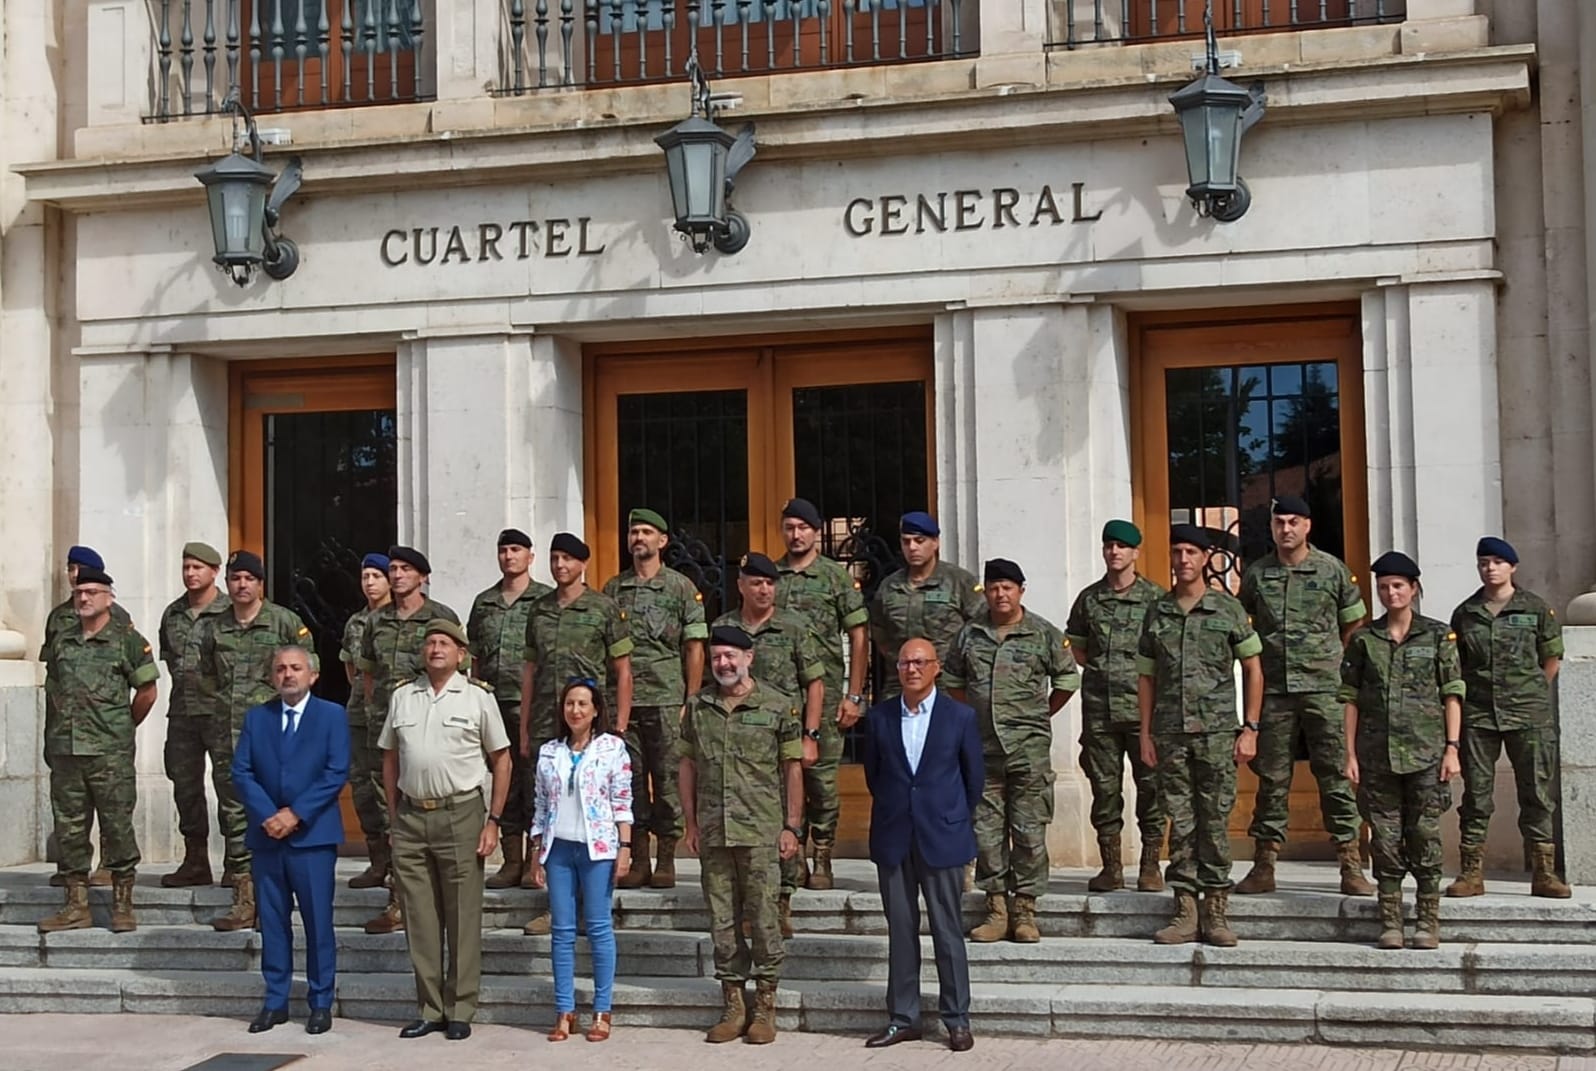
(960, 1040)
(892, 1035)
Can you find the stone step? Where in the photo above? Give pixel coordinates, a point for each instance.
(1560, 1024)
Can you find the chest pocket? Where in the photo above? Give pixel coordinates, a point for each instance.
(1417, 672)
(1271, 599)
(97, 673)
(654, 616)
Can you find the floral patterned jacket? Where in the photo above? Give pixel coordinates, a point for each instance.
(603, 785)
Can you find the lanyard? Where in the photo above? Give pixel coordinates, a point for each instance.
(576, 762)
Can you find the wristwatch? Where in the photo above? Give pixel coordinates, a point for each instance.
(1451, 743)
(796, 833)
(855, 698)
(1249, 725)
(813, 734)
(496, 819)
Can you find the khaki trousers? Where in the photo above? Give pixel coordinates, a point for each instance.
(438, 876)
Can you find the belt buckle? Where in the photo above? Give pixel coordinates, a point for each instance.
(429, 805)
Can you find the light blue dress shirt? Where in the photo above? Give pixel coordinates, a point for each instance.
(916, 727)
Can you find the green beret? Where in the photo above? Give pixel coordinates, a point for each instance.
(1122, 532)
(449, 629)
(648, 517)
(203, 552)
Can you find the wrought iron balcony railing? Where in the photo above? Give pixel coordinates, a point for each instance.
(1073, 23)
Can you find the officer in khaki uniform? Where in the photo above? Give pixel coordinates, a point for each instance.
(928, 599)
(88, 746)
(442, 735)
(827, 596)
(741, 789)
(365, 758)
(234, 652)
(665, 612)
(497, 628)
(1104, 627)
(1015, 668)
(190, 730)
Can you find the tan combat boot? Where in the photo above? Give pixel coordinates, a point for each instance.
(100, 878)
(1261, 878)
(539, 925)
(664, 876)
(508, 876)
(996, 925)
(377, 863)
(392, 919)
(1215, 920)
(1112, 876)
(195, 868)
(1427, 921)
(531, 857)
(638, 873)
(1471, 875)
(1022, 920)
(1150, 876)
(819, 878)
(242, 914)
(75, 915)
(1390, 920)
(1353, 883)
(733, 1018)
(762, 1028)
(122, 918)
(1546, 882)
(1182, 928)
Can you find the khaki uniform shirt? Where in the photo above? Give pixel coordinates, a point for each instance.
(664, 614)
(1009, 679)
(1400, 690)
(498, 638)
(1502, 656)
(1191, 656)
(444, 739)
(178, 629)
(88, 684)
(827, 596)
(934, 609)
(786, 655)
(1299, 611)
(1107, 625)
(235, 660)
(738, 749)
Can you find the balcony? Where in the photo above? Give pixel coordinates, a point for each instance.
(1077, 23)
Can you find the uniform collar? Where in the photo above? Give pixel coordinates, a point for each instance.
(1307, 565)
(1421, 626)
(1021, 627)
(1475, 603)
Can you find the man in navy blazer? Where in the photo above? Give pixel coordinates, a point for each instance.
(289, 765)
(922, 763)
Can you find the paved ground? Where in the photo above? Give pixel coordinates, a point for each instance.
(171, 1043)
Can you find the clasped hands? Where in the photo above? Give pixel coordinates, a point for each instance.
(281, 824)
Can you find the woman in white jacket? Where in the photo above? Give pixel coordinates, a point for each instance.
(581, 835)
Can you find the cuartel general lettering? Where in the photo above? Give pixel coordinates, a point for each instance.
(893, 214)
(520, 239)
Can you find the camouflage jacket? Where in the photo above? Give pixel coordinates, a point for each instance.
(786, 654)
(664, 615)
(181, 654)
(64, 618)
(1399, 690)
(567, 642)
(1009, 679)
(349, 654)
(738, 749)
(89, 684)
(935, 609)
(1299, 611)
(235, 661)
(1502, 657)
(1107, 625)
(498, 638)
(1191, 658)
(390, 649)
(826, 596)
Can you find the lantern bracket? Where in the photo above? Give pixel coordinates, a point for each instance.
(735, 234)
(280, 257)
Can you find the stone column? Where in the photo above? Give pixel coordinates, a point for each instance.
(1576, 697)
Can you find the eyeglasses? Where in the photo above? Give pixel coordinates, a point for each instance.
(915, 663)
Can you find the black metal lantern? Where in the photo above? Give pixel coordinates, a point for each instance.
(246, 200)
(1214, 113)
(701, 160)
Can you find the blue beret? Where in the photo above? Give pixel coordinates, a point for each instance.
(85, 556)
(919, 522)
(375, 561)
(1493, 547)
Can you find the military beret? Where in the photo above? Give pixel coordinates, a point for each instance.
(566, 543)
(77, 555)
(448, 628)
(918, 522)
(1191, 535)
(247, 561)
(1493, 547)
(88, 574)
(801, 509)
(1122, 532)
(1289, 506)
(1002, 569)
(203, 552)
(756, 564)
(375, 561)
(514, 537)
(412, 557)
(648, 517)
(730, 636)
(1395, 563)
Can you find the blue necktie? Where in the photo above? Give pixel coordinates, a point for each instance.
(290, 724)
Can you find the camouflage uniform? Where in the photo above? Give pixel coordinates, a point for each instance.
(1190, 657)
(88, 743)
(935, 609)
(563, 642)
(739, 750)
(665, 614)
(827, 597)
(390, 654)
(192, 732)
(1009, 678)
(1106, 625)
(498, 641)
(1399, 690)
(1299, 611)
(365, 761)
(236, 674)
(1508, 704)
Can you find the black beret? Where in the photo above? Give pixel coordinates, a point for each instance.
(1395, 563)
(1189, 534)
(88, 574)
(730, 636)
(756, 564)
(566, 543)
(514, 537)
(1290, 505)
(246, 561)
(803, 510)
(411, 556)
(1003, 569)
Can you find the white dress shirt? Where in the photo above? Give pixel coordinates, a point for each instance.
(295, 712)
(916, 727)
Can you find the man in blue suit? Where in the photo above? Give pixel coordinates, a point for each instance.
(922, 763)
(290, 763)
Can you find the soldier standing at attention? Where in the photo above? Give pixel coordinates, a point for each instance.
(1511, 646)
(1305, 604)
(827, 596)
(1015, 668)
(572, 633)
(1103, 629)
(928, 599)
(1403, 690)
(365, 759)
(666, 613)
(739, 773)
(497, 628)
(235, 659)
(88, 746)
(788, 661)
(189, 731)
(391, 656)
(1187, 697)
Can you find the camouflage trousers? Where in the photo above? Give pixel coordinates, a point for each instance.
(1011, 821)
(741, 883)
(1533, 753)
(365, 779)
(1104, 750)
(189, 742)
(518, 800)
(1197, 785)
(230, 814)
(82, 786)
(1320, 717)
(651, 737)
(821, 805)
(1404, 814)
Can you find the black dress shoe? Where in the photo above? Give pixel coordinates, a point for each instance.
(457, 1031)
(268, 1018)
(959, 1039)
(320, 1021)
(421, 1028)
(891, 1036)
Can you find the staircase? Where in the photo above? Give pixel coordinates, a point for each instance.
(1513, 972)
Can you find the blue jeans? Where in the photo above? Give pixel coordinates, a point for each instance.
(571, 873)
